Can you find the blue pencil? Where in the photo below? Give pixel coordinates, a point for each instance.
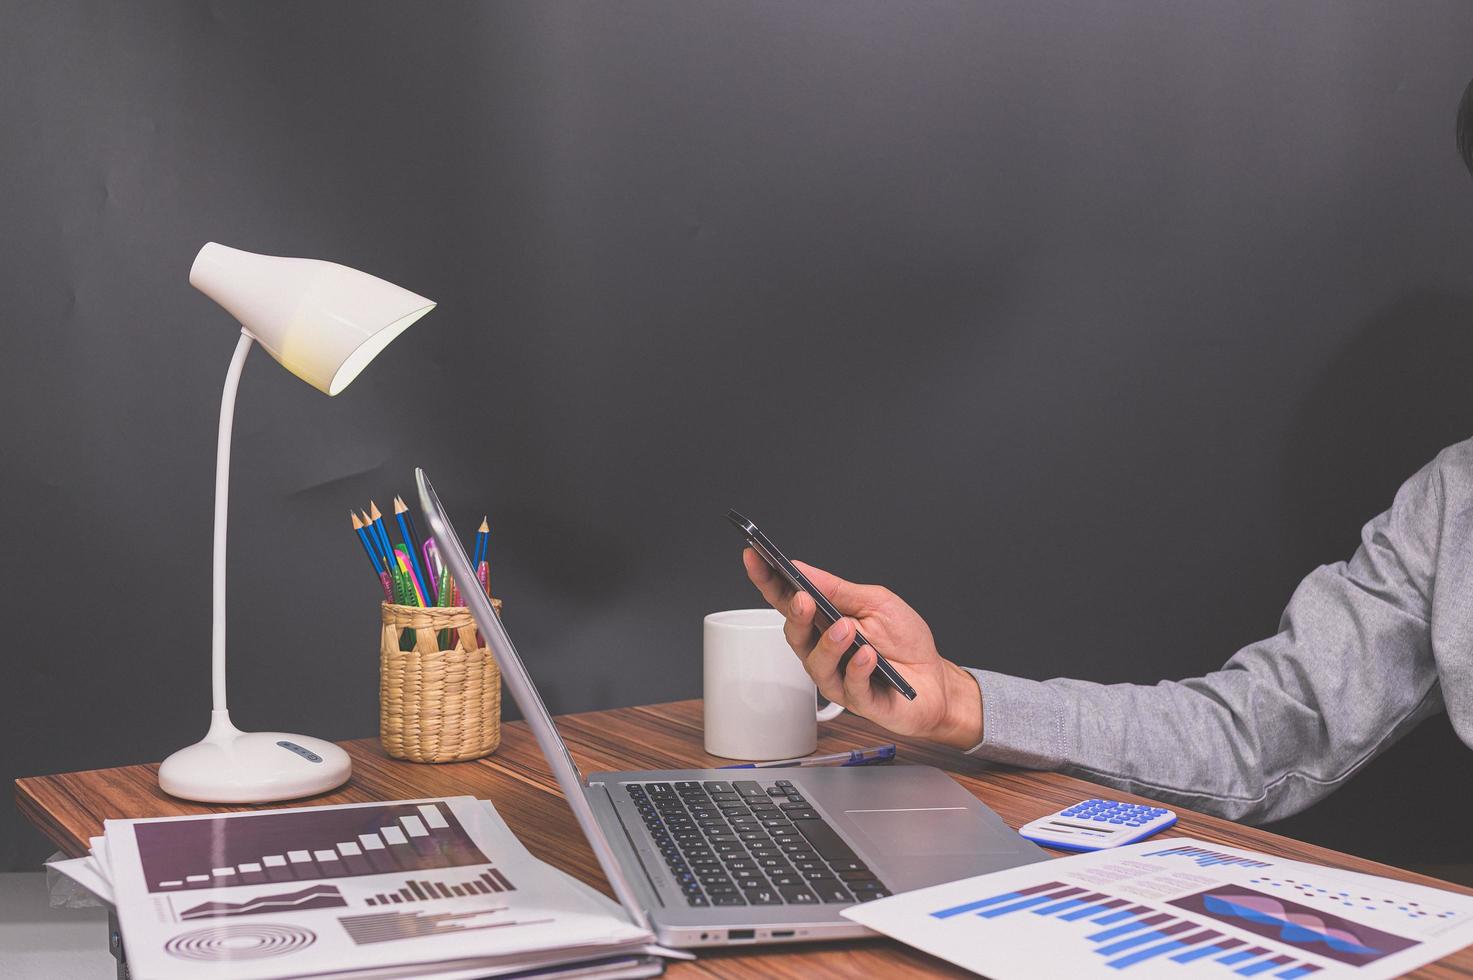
(411, 542)
(483, 535)
(376, 527)
(363, 540)
(413, 527)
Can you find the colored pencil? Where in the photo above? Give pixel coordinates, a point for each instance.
(411, 584)
(411, 541)
(363, 540)
(413, 529)
(380, 539)
(403, 596)
(373, 559)
(445, 637)
(378, 528)
(482, 541)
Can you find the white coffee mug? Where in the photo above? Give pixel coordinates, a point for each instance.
(760, 703)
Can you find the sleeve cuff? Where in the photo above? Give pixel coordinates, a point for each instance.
(1022, 722)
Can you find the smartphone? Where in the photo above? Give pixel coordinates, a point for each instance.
(779, 563)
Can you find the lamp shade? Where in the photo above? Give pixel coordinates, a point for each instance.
(322, 321)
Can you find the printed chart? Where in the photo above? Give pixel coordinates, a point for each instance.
(313, 897)
(1177, 909)
(1127, 933)
(386, 927)
(1395, 907)
(403, 888)
(225, 944)
(310, 845)
(1204, 858)
(489, 882)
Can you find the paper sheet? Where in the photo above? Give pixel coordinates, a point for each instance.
(1177, 908)
(84, 872)
(360, 890)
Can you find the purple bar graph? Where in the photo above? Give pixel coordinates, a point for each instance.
(304, 845)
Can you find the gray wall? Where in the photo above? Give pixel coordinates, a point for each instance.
(1089, 327)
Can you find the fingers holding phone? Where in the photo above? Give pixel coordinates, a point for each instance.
(796, 590)
(947, 707)
(848, 684)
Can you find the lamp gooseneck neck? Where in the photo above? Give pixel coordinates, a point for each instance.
(222, 509)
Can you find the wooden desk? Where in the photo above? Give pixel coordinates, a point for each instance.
(70, 808)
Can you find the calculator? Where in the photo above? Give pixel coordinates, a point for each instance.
(1097, 824)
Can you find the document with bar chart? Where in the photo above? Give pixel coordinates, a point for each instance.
(355, 888)
(1177, 908)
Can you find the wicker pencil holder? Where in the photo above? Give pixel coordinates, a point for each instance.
(437, 705)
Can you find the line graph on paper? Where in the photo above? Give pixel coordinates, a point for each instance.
(312, 897)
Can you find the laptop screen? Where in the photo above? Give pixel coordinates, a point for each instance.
(524, 692)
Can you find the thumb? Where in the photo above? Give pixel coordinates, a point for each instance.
(846, 596)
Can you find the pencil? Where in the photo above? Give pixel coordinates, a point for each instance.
(385, 561)
(378, 571)
(363, 540)
(405, 521)
(413, 584)
(442, 600)
(380, 539)
(379, 529)
(408, 637)
(483, 537)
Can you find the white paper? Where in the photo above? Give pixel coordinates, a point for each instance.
(84, 871)
(1177, 908)
(193, 894)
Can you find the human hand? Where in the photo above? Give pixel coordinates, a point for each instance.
(948, 705)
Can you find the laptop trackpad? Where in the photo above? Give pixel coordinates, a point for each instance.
(919, 832)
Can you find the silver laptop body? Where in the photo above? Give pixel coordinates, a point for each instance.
(714, 857)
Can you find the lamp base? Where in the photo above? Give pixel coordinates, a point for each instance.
(232, 766)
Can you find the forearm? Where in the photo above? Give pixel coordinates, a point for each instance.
(1287, 719)
(1220, 744)
(961, 724)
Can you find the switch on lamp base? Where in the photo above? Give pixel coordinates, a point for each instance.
(232, 766)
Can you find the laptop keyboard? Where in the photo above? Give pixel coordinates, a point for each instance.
(742, 843)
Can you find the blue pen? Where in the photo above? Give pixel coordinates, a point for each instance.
(854, 757)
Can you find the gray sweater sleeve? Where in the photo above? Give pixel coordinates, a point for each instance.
(1287, 719)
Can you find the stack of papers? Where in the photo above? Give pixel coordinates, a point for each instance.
(434, 888)
(1178, 908)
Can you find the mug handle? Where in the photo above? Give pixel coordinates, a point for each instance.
(832, 711)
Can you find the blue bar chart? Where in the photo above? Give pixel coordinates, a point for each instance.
(1205, 858)
(1126, 933)
(1177, 909)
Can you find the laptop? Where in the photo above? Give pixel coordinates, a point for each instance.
(714, 857)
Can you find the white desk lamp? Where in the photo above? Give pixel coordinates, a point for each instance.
(323, 322)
